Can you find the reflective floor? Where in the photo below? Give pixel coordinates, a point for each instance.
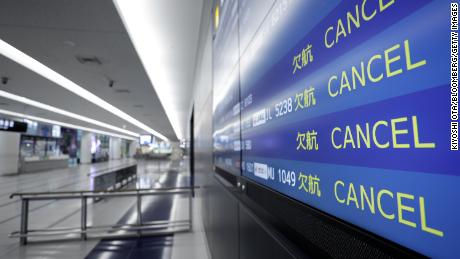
(66, 213)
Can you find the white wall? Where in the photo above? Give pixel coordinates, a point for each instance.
(9, 152)
(115, 148)
(85, 148)
(176, 150)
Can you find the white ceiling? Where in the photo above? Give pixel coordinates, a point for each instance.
(54, 32)
(165, 35)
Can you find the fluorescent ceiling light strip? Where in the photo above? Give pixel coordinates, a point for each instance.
(25, 60)
(47, 107)
(63, 124)
(149, 40)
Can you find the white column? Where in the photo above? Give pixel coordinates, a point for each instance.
(133, 145)
(85, 148)
(115, 148)
(176, 150)
(9, 152)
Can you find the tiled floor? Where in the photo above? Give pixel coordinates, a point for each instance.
(46, 214)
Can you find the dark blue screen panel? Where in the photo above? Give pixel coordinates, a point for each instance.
(344, 106)
(226, 109)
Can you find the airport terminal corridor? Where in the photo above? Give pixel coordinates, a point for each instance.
(229, 129)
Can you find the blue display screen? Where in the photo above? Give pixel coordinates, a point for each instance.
(344, 106)
(226, 93)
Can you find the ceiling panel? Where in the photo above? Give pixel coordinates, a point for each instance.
(55, 32)
(166, 35)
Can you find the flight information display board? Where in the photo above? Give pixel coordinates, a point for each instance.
(226, 94)
(346, 106)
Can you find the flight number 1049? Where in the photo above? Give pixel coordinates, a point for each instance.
(287, 177)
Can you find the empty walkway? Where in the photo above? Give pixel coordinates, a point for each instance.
(50, 214)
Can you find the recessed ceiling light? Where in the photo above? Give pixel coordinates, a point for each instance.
(154, 51)
(50, 108)
(63, 124)
(27, 61)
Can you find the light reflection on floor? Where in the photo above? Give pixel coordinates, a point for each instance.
(151, 174)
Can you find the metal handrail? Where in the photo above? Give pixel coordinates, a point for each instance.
(110, 169)
(21, 194)
(84, 229)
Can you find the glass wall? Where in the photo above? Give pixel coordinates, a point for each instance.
(39, 147)
(48, 142)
